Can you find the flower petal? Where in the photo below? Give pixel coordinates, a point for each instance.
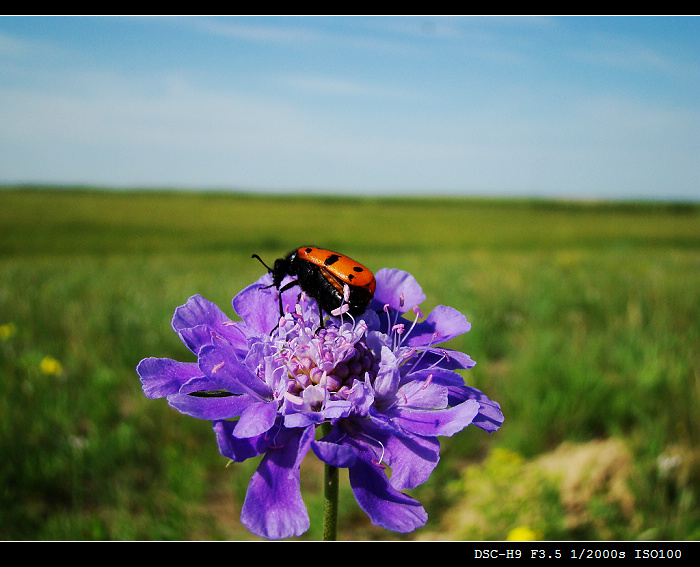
(444, 422)
(162, 377)
(273, 507)
(221, 365)
(234, 448)
(398, 289)
(258, 306)
(386, 382)
(256, 419)
(412, 459)
(490, 416)
(385, 506)
(199, 318)
(442, 324)
(423, 394)
(361, 396)
(210, 408)
(444, 358)
(199, 384)
(334, 454)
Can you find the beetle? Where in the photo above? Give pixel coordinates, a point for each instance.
(322, 275)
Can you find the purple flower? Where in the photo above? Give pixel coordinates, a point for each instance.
(381, 380)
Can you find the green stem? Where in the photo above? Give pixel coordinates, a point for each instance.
(330, 492)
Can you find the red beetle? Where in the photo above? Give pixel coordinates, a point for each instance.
(322, 275)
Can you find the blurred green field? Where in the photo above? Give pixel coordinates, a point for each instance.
(585, 327)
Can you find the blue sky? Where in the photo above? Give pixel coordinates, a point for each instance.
(536, 106)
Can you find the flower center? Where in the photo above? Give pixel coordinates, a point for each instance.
(332, 358)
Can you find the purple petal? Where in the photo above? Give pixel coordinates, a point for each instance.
(273, 507)
(361, 396)
(198, 384)
(222, 366)
(385, 506)
(435, 423)
(490, 416)
(442, 358)
(398, 289)
(257, 306)
(199, 318)
(336, 409)
(198, 311)
(210, 408)
(443, 323)
(256, 419)
(161, 377)
(334, 454)
(423, 394)
(386, 383)
(302, 419)
(456, 360)
(197, 337)
(441, 376)
(234, 448)
(412, 459)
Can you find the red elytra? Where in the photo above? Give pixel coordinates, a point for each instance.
(342, 268)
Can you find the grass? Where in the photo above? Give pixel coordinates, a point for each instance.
(584, 326)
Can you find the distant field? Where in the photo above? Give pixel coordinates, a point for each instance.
(585, 326)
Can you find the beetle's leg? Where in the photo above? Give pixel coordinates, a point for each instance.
(290, 285)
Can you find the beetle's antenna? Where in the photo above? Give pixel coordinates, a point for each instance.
(263, 263)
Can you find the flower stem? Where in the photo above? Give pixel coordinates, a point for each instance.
(330, 492)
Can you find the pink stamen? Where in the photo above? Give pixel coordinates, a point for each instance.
(344, 308)
(419, 314)
(445, 356)
(410, 353)
(296, 400)
(422, 354)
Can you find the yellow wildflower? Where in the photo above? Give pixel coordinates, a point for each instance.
(50, 366)
(7, 331)
(523, 533)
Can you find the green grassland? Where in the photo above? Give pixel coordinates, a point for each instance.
(585, 327)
